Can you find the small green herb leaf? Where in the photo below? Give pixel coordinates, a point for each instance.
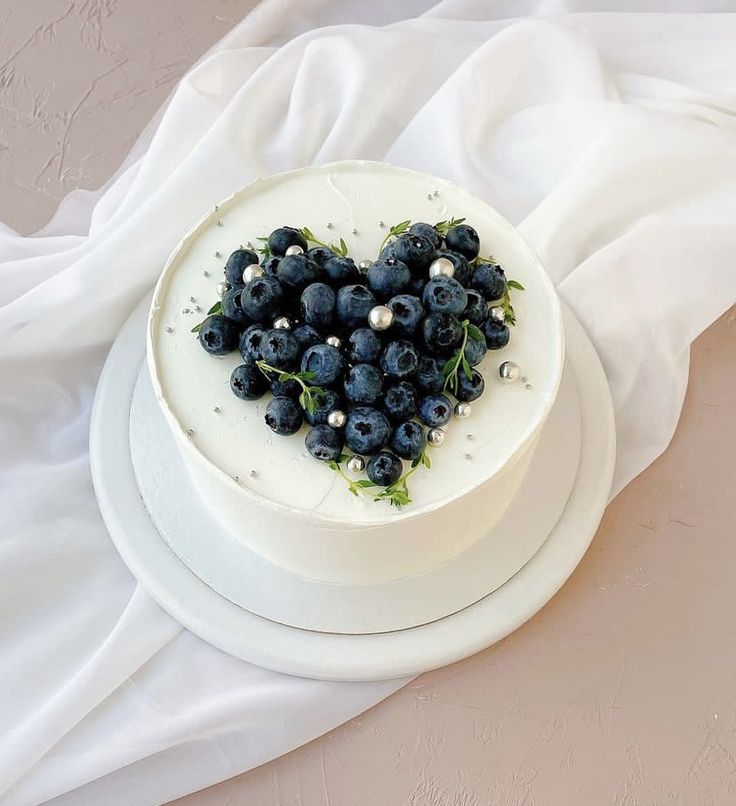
(515, 284)
(443, 226)
(475, 333)
(197, 328)
(216, 308)
(467, 369)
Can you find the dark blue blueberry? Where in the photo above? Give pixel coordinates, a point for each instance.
(384, 469)
(250, 343)
(475, 351)
(317, 305)
(284, 237)
(367, 430)
(270, 265)
(435, 410)
(280, 349)
(324, 443)
(320, 255)
(489, 279)
(386, 280)
(307, 336)
(399, 359)
(464, 239)
(237, 263)
(408, 313)
(496, 333)
(441, 332)
(388, 252)
(476, 311)
(416, 251)
(284, 415)
(353, 304)
(409, 440)
(462, 267)
(400, 401)
(231, 307)
(262, 299)
(325, 361)
(429, 377)
(470, 388)
(288, 388)
(444, 295)
(417, 285)
(427, 231)
(341, 271)
(296, 272)
(323, 405)
(364, 346)
(364, 384)
(248, 382)
(219, 335)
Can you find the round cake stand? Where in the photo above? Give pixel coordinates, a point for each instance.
(341, 656)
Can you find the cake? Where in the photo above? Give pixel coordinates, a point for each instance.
(267, 490)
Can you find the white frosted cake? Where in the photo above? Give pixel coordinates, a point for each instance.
(266, 489)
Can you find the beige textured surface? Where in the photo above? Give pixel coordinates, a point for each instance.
(621, 691)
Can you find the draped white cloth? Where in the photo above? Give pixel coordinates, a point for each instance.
(609, 138)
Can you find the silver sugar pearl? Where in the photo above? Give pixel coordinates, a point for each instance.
(216, 409)
(381, 224)
(251, 272)
(336, 418)
(435, 437)
(498, 313)
(197, 308)
(192, 299)
(205, 273)
(282, 323)
(468, 456)
(219, 223)
(190, 432)
(364, 265)
(380, 317)
(429, 196)
(169, 329)
(187, 310)
(462, 409)
(441, 267)
(356, 464)
(253, 474)
(218, 254)
(355, 231)
(222, 289)
(334, 341)
(294, 249)
(330, 225)
(509, 372)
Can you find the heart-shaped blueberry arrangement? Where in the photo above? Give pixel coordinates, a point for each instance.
(369, 354)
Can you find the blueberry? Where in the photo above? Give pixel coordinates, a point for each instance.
(324, 443)
(325, 361)
(427, 231)
(323, 405)
(341, 271)
(409, 440)
(489, 280)
(442, 333)
(384, 469)
(470, 388)
(399, 359)
(475, 351)
(231, 307)
(250, 343)
(271, 265)
(429, 377)
(284, 415)
(416, 251)
(496, 333)
(284, 237)
(435, 410)
(296, 272)
(248, 382)
(388, 279)
(364, 346)
(307, 336)
(364, 384)
(408, 313)
(417, 285)
(288, 388)
(388, 252)
(462, 267)
(280, 349)
(444, 294)
(400, 401)
(476, 311)
(353, 304)
(464, 239)
(218, 334)
(367, 430)
(262, 299)
(317, 305)
(320, 255)
(237, 263)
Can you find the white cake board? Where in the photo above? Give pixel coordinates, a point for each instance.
(335, 656)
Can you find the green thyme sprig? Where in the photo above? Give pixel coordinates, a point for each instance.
(264, 249)
(354, 486)
(309, 394)
(443, 226)
(216, 308)
(509, 316)
(459, 361)
(341, 249)
(396, 230)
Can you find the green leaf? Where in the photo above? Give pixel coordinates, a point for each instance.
(399, 229)
(285, 376)
(216, 308)
(196, 328)
(443, 226)
(261, 238)
(343, 248)
(515, 284)
(475, 333)
(364, 483)
(307, 375)
(333, 465)
(343, 457)
(307, 233)
(467, 369)
(449, 366)
(425, 460)
(304, 399)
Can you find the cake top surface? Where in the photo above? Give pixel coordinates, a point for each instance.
(358, 202)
